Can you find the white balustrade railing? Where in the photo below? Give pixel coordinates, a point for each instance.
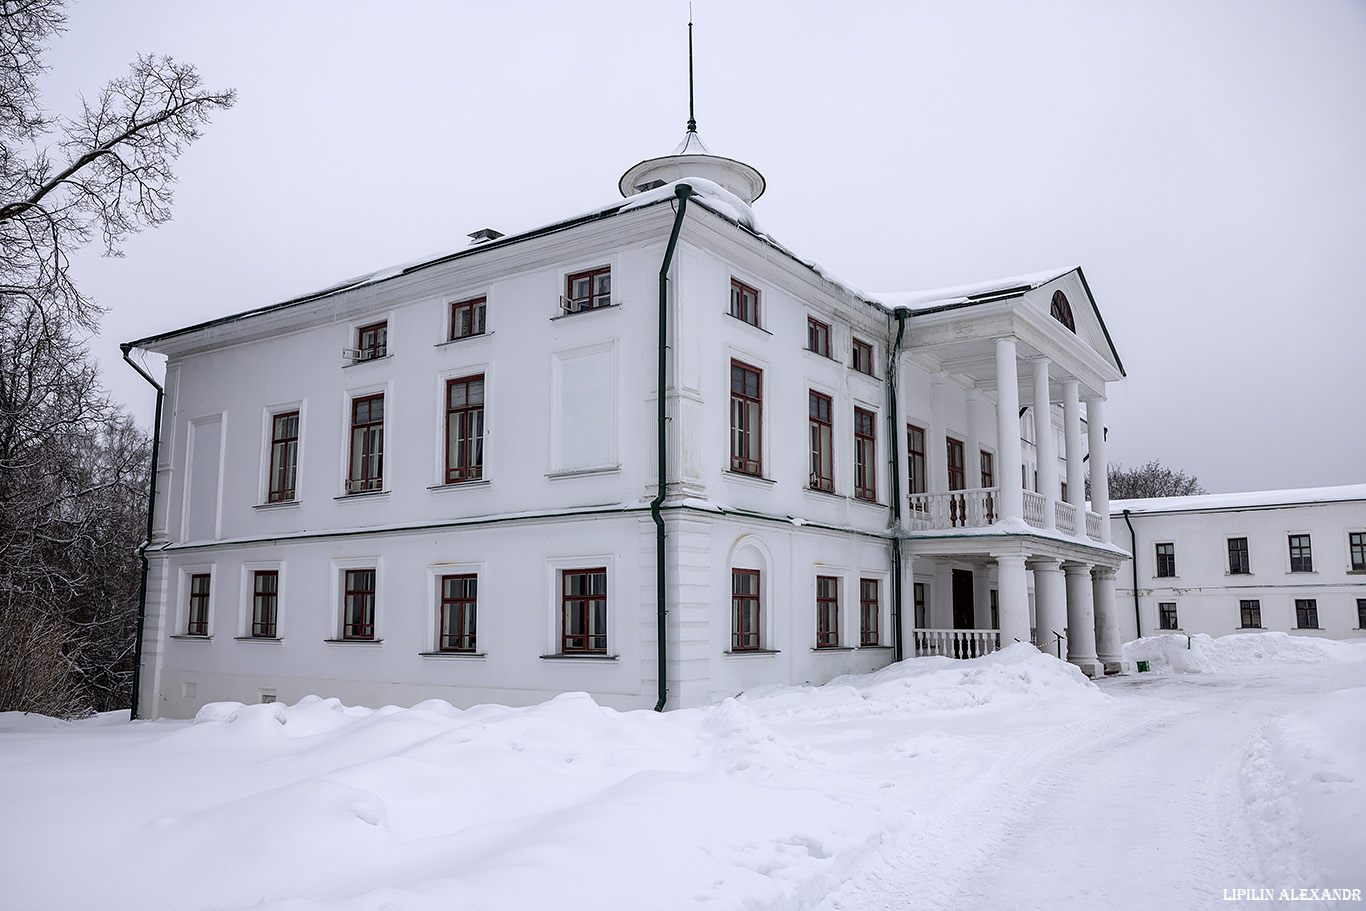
(1093, 526)
(973, 508)
(1034, 504)
(956, 643)
(1066, 516)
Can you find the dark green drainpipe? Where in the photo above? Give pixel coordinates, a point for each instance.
(897, 649)
(142, 548)
(682, 191)
(1133, 561)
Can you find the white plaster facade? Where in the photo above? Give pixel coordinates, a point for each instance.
(568, 473)
(1245, 562)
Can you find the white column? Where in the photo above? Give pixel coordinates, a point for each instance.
(1108, 648)
(1045, 444)
(936, 455)
(1076, 468)
(1100, 480)
(1012, 598)
(1081, 619)
(1011, 505)
(1050, 606)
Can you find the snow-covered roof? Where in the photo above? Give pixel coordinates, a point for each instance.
(1253, 499)
(960, 294)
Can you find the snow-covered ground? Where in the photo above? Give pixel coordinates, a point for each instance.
(1007, 781)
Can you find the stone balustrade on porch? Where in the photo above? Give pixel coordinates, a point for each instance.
(956, 643)
(978, 507)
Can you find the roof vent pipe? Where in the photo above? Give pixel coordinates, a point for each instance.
(483, 235)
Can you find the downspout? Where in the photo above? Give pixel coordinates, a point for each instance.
(682, 191)
(142, 548)
(1133, 561)
(897, 649)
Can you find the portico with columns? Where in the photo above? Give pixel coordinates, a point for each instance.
(1017, 374)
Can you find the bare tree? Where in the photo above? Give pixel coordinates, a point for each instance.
(1151, 480)
(104, 172)
(73, 466)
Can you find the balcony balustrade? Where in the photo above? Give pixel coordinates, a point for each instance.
(956, 643)
(978, 507)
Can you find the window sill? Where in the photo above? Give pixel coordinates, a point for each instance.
(369, 360)
(752, 653)
(191, 637)
(1302, 572)
(583, 472)
(832, 648)
(1249, 627)
(1356, 572)
(460, 485)
(611, 306)
(353, 641)
(824, 357)
(1248, 573)
(747, 323)
(747, 478)
(1166, 578)
(279, 504)
(826, 493)
(861, 501)
(575, 656)
(465, 656)
(1311, 629)
(871, 376)
(463, 338)
(880, 648)
(364, 495)
(258, 638)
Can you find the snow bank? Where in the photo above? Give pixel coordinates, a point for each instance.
(1008, 679)
(1172, 653)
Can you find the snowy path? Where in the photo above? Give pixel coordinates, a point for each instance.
(1139, 806)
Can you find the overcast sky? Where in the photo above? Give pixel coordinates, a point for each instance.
(1203, 160)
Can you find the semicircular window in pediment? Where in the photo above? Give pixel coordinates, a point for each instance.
(1062, 310)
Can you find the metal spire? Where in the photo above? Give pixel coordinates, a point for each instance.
(692, 119)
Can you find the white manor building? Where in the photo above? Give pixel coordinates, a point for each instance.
(1286, 560)
(443, 480)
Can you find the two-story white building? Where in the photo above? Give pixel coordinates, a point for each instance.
(1286, 560)
(443, 480)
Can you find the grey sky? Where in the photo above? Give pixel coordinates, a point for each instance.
(1203, 161)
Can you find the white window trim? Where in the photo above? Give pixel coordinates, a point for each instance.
(767, 627)
(751, 281)
(748, 356)
(248, 592)
(352, 336)
(267, 438)
(588, 265)
(1285, 554)
(182, 620)
(344, 456)
(339, 567)
(841, 574)
(450, 300)
(881, 483)
(433, 638)
(484, 368)
(554, 570)
(884, 630)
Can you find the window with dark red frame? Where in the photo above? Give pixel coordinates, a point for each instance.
(284, 456)
(372, 341)
(744, 302)
(865, 455)
(988, 470)
(868, 611)
(957, 472)
(921, 604)
(367, 444)
(744, 610)
(746, 416)
(358, 604)
(827, 612)
(822, 442)
(467, 318)
(198, 624)
(584, 611)
(817, 337)
(863, 357)
(456, 624)
(1307, 613)
(1356, 545)
(265, 603)
(915, 457)
(1166, 560)
(1301, 554)
(589, 290)
(465, 429)
(1238, 563)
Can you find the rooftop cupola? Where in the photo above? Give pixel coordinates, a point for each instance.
(692, 158)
